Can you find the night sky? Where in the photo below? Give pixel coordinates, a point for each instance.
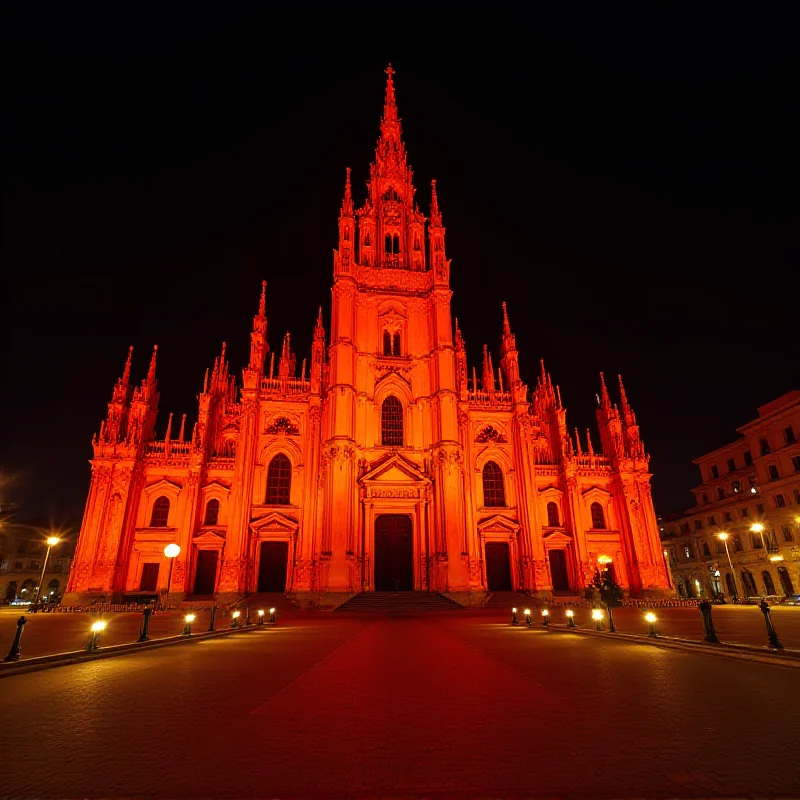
(624, 183)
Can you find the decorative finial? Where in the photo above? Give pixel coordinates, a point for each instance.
(506, 323)
(126, 373)
(390, 104)
(151, 372)
(262, 303)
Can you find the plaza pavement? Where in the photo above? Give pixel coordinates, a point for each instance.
(46, 634)
(433, 705)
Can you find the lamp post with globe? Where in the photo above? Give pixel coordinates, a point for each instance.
(52, 541)
(723, 537)
(171, 552)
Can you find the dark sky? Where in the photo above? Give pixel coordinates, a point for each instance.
(625, 183)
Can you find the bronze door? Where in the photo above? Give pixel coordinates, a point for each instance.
(558, 570)
(272, 566)
(149, 580)
(205, 576)
(394, 553)
(498, 567)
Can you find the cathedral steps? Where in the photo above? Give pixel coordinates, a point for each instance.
(509, 600)
(398, 603)
(267, 600)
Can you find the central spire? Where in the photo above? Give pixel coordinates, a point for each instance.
(390, 104)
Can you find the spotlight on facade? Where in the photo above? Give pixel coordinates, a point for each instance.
(571, 618)
(778, 557)
(597, 616)
(650, 617)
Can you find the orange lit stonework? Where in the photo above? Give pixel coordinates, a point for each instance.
(384, 464)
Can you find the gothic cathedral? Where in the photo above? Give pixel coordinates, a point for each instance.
(387, 465)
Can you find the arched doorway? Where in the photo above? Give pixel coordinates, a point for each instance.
(394, 553)
(731, 585)
(769, 584)
(749, 583)
(498, 566)
(786, 581)
(205, 573)
(688, 585)
(272, 566)
(559, 574)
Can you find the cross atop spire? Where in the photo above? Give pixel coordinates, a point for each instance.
(390, 103)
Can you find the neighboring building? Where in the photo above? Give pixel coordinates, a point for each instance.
(754, 481)
(386, 465)
(22, 553)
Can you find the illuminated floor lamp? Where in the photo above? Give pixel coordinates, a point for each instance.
(171, 551)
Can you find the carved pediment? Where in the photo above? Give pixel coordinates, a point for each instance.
(394, 468)
(596, 493)
(274, 522)
(163, 485)
(217, 485)
(497, 523)
(553, 538)
(209, 538)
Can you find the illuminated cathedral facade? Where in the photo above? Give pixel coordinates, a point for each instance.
(382, 463)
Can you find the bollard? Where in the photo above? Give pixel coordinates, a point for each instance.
(612, 628)
(143, 634)
(708, 624)
(571, 618)
(651, 621)
(213, 617)
(771, 633)
(514, 616)
(94, 637)
(260, 616)
(187, 627)
(273, 617)
(545, 617)
(527, 613)
(597, 616)
(16, 650)
(235, 621)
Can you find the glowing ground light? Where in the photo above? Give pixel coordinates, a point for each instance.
(570, 613)
(98, 626)
(190, 617)
(597, 614)
(650, 617)
(237, 614)
(545, 612)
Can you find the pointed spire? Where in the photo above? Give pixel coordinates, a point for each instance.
(126, 372)
(558, 397)
(589, 441)
(390, 102)
(168, 435)
(183, 428)
(151, 372)
(578, 447)
(626, 409)
(319, 328)
(458, 337)
(605, 400)
(205, 382)
(436, 215)
(262, 303)
(506, 323)
(347, 203)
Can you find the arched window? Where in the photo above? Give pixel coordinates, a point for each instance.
(279, 480)
(731, 585)
(392, 422)
(552, 515)
(367, 241)
(387, 343)
(769, 584)
(749, 583)
(212, 513)
(598, 517)
(396, 344)
(388, 244)
(160, 514)
(786, 581)
(396, 244)
(494, 493)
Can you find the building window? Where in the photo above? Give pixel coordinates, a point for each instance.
(748, 458)
(396, 344)
(387, 343)
(737, 487)
(714, 471)
(796, 463)
(772, 469)
(392, 422)
(706, 551)
(780, 501)
(752, 481)
(552, 515)
(789, 435)
(687, 551)
(34, 565)
(705, 498)
(728, 516)
(22, 545)
(160, 514)
(698, 524)
(494, 494)
(797, 497)
(684, 527)
(212, 512)
(764, 446)
(279, 481)
(712, 520)
(737, 543)
(720, 493)
(745, 512)
(720, 546)
(788, 536)
(17, 566)
(760, 509)
(756, 541)
(598, 518)
(731, 465)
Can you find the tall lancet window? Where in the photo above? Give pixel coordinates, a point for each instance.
(160, 514)
(494, 493)
(392, 422)
(598, 517)
(279, 481)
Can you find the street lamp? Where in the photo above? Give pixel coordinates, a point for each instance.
(52, 541)
(723, 537)
(757, 527)
(171, 551)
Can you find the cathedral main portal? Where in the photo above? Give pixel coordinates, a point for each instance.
(394, 553)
